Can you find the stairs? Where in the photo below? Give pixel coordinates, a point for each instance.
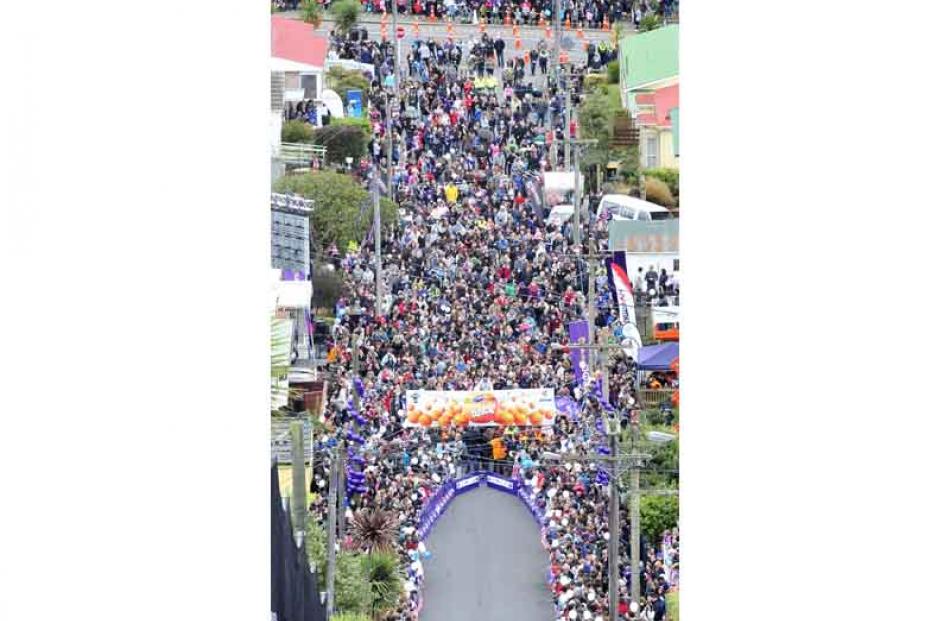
(625, 133)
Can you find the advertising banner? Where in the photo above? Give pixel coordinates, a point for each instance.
(479, 408)
(501, 483)
(578, 333)
(622, 290)
(645, 237)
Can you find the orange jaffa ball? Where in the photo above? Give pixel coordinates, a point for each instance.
(535, 418)
(425, 420)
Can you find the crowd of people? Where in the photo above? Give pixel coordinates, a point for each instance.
(479, 293)
(586, 13)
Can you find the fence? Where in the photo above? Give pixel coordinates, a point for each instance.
(293, 587)
(301, 154)
(655, 398)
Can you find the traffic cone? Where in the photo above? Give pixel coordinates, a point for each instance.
(527, 58)
(606, 25)
(415, 28)
(518, 43)
(450, 32)
(547, 32)
(508, 18)
(563, 58)
(542, 22)
(580, 34)
(481, 25)
(515, 31)
(432, 14)
(567, 22)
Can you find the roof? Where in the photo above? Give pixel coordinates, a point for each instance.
(658, 105)
(650, 57)
(295, 40)
(658, 357)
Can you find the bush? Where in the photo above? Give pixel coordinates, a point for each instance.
(327, 287)
(659, 193)
(349, 616)
(669, 176)
(346, 12)
(296, 131)
(613, 72)
(342, 80)
(650, 22)
(342, 141)
(658, 513)
(594, 81)
(311, 13)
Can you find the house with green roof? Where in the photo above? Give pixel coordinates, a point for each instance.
(649, 86)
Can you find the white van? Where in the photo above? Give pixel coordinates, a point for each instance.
(620, 207)
(558, 195)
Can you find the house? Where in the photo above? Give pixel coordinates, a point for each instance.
(300, 55)
(649, 84)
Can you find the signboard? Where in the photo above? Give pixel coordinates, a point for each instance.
(354, 103)
(281, 446)
(645, 237)
(578, 333)
(479, 408)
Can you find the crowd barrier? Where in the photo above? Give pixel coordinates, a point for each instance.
(440, 501)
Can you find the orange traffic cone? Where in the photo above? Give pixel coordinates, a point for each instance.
(563, 58)
(518, 43)
(508, 18)
(432, 14)
(481, 25)
(449, 32)
(547, 32)
(567, 22)
(606, 25)
(580, 34)
(542, 22)
(415, 28)
(515, 31)
(527, 58)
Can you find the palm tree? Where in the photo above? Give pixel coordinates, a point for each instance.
(311, 13)
(374, 529)
(384, 578)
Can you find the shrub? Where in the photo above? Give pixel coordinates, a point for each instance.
(327, 288)
(613, 72)
(669, 176)
(658, 513)
(384, 579)
(342, 140)
(311, 12)
(349, 616)
(296, 131)
(342, 80)
(650, 22)
(346, 12)
(658, 192)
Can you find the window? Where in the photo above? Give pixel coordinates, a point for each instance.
(309, 85)
(652, 151)
(676, 265)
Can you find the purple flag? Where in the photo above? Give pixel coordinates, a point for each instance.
(568, 406)
(577, 332)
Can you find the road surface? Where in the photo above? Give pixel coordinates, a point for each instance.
(487, 562)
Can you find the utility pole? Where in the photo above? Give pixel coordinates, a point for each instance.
(377, 228)
(341, 490)
(299, 506)
(614, 543)
(331, 534)
(635, 523)
(394, 107)
(568, 104)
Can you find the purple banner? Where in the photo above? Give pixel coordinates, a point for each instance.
(568, 407)
(577, 333)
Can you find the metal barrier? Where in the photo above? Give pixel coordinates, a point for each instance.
(654, 398)
(301, 153)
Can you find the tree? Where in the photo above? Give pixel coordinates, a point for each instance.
(383, 576)
(342, 141)
(346, 12)
(375, 529)
(596, 117)
(296, 131)
(342, 211)
(669, 176)
(658, 513)
(311, 13)
(342, 80)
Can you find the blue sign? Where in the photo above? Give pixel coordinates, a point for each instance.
(354, 103)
